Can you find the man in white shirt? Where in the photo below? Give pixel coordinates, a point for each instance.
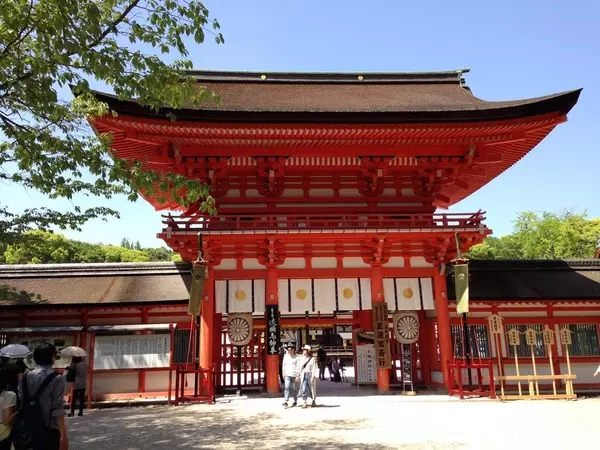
(289, 369)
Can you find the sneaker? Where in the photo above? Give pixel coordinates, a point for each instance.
(80, 414)
(314, 404)
(304, 406)
(295, 404)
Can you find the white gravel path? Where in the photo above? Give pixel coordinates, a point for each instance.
(350, 422)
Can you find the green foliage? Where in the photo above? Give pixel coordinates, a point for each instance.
(49, 46)
(543, 236)
(43, 247)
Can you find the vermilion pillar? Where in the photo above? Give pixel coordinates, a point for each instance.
(383, 375)
(443, 324)
(207, 321)
(272, 361)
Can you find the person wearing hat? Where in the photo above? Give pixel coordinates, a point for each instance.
(307, 367)
(289, 368)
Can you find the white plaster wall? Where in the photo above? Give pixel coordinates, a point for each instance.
(227, 264)
(395, 261)
(419, 261)
(251, 263)
(170, 319)
(159, 381)
(322, 262)
(354, 262)
(294, 263)
(584, 372)
(115, 383)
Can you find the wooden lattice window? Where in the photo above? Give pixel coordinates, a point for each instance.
(524, 350)
(479, 341)
(585, 339)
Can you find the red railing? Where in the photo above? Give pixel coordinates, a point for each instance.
(203, 392)
(324, 222)
(457, 372)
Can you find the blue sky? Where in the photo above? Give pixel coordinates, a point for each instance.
(515, 49)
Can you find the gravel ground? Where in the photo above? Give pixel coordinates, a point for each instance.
(344, 422)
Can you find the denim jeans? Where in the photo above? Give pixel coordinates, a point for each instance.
(306, 386)
(290, 389)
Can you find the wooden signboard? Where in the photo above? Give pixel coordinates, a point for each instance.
(407, 382)
(273, 330)
(382, 336)
(366, 366)
(132, 352)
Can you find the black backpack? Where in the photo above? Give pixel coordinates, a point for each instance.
(31, 428)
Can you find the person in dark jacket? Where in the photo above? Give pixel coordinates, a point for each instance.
(322, 360)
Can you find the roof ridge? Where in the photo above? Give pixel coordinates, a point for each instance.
(448, 76)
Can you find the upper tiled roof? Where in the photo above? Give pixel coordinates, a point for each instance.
(339, 97)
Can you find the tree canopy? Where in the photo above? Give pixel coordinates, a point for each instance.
(543, 235)
(43, 247)
(51, 47)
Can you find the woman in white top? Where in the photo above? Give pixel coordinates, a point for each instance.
(307, 366)
(8, 405)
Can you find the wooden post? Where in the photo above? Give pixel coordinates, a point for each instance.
(548, 335)
(500, 367)
(91, 370)
(172, 331)
(207, 321)
(272, 361)
(443, 324)
(383, 375)
(531, 339)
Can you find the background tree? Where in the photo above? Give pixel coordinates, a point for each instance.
(544, 235)
(50, 46)
(43, 247)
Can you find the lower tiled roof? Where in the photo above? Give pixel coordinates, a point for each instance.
(144, 283)
(532, 280)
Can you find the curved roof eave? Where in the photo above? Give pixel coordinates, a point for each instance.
(481, 111)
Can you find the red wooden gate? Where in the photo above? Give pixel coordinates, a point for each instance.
(249, 362)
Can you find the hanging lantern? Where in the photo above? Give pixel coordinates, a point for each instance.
(199, 275)
(461, 286)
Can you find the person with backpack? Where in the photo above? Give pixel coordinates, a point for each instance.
(8, 407)
(40, 423)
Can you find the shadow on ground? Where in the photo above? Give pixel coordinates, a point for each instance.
(197, 427)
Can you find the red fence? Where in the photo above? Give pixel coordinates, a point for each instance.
(458, 369)
(324, 222)
(203, 392)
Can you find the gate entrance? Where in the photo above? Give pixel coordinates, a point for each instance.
(242, 366)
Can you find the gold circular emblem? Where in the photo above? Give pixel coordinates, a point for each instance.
(240, 295)
(301, 294)
(407, 293)
(347, 293)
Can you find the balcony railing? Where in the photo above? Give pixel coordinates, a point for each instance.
(298, 223)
